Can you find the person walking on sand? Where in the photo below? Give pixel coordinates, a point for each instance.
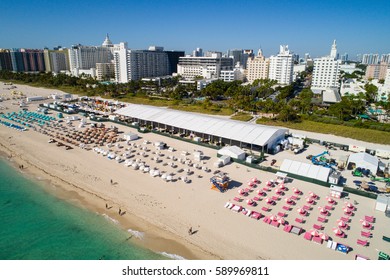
(111, 181)
(190, 231)
(120, 211)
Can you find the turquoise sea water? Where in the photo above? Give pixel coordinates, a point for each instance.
(36, 225)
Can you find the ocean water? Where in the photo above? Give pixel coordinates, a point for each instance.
(35, 225)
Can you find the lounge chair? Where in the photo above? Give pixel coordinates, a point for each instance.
(287, 228)
(256, 198)
(275, 223)
(362, 242)
(238, 199)
(307, 207)
(308, 236)
(327, 207)
(266, 209)
(298, 220)
(319, 227)
(318, 239)
(286, 208)
(366, 234)
(345, 219)
(267, 220)
(294, 197)
(229, 205)
(322, 219)
(281, 214)
(370, 219)
(255, 215)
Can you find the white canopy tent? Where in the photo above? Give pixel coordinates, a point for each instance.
(233, 152)
(364, 160)
(305, 169)
(228, 130)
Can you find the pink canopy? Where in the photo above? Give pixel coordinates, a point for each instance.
(349, 205)
(250, 201)
(341, 224)
(296, 190)
(329, 199)
(314, 232)
(301, 210)
(287, 199)
(268, 183)
(309, 199)
(251, 184)
(346, 210)
(313, 195)
(337, 231)
(254, 180)
(323, 236)
(268, 200)
(281, 220)
(365, 224)
(260, 192)
(273, 218)
(241, 191)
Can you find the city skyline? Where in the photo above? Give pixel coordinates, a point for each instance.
(359, 27)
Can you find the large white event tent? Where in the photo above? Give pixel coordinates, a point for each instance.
(230, 132)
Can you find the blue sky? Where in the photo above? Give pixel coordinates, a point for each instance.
(306, 26)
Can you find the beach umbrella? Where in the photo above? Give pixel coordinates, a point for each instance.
(254, 180)
(281, 221)
(241, 191)
(349, 205)
(337, 231)
(341, 224)
(268, 200)
(314, 232)
(301, 210)
(260, 192)
(313, 195)
(268, 183)
(323, 236)
(365, 224)
(309, 200)
(250, 184)
(249, 201)
(329, 199)
(296, 191)
(273, 218)
(347, 210)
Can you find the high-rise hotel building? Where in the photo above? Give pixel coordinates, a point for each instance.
(281, 66)
(326, 71)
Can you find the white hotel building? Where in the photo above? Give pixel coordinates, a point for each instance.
(281, 66)
(326, 72)
(206, 67)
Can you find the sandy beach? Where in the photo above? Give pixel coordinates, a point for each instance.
(164, 211)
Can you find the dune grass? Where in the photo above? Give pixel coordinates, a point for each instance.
(363, 134)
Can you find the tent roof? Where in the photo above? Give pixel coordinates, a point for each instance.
(358, 157)
(305, 169)
(233, 149)
(225, 128)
